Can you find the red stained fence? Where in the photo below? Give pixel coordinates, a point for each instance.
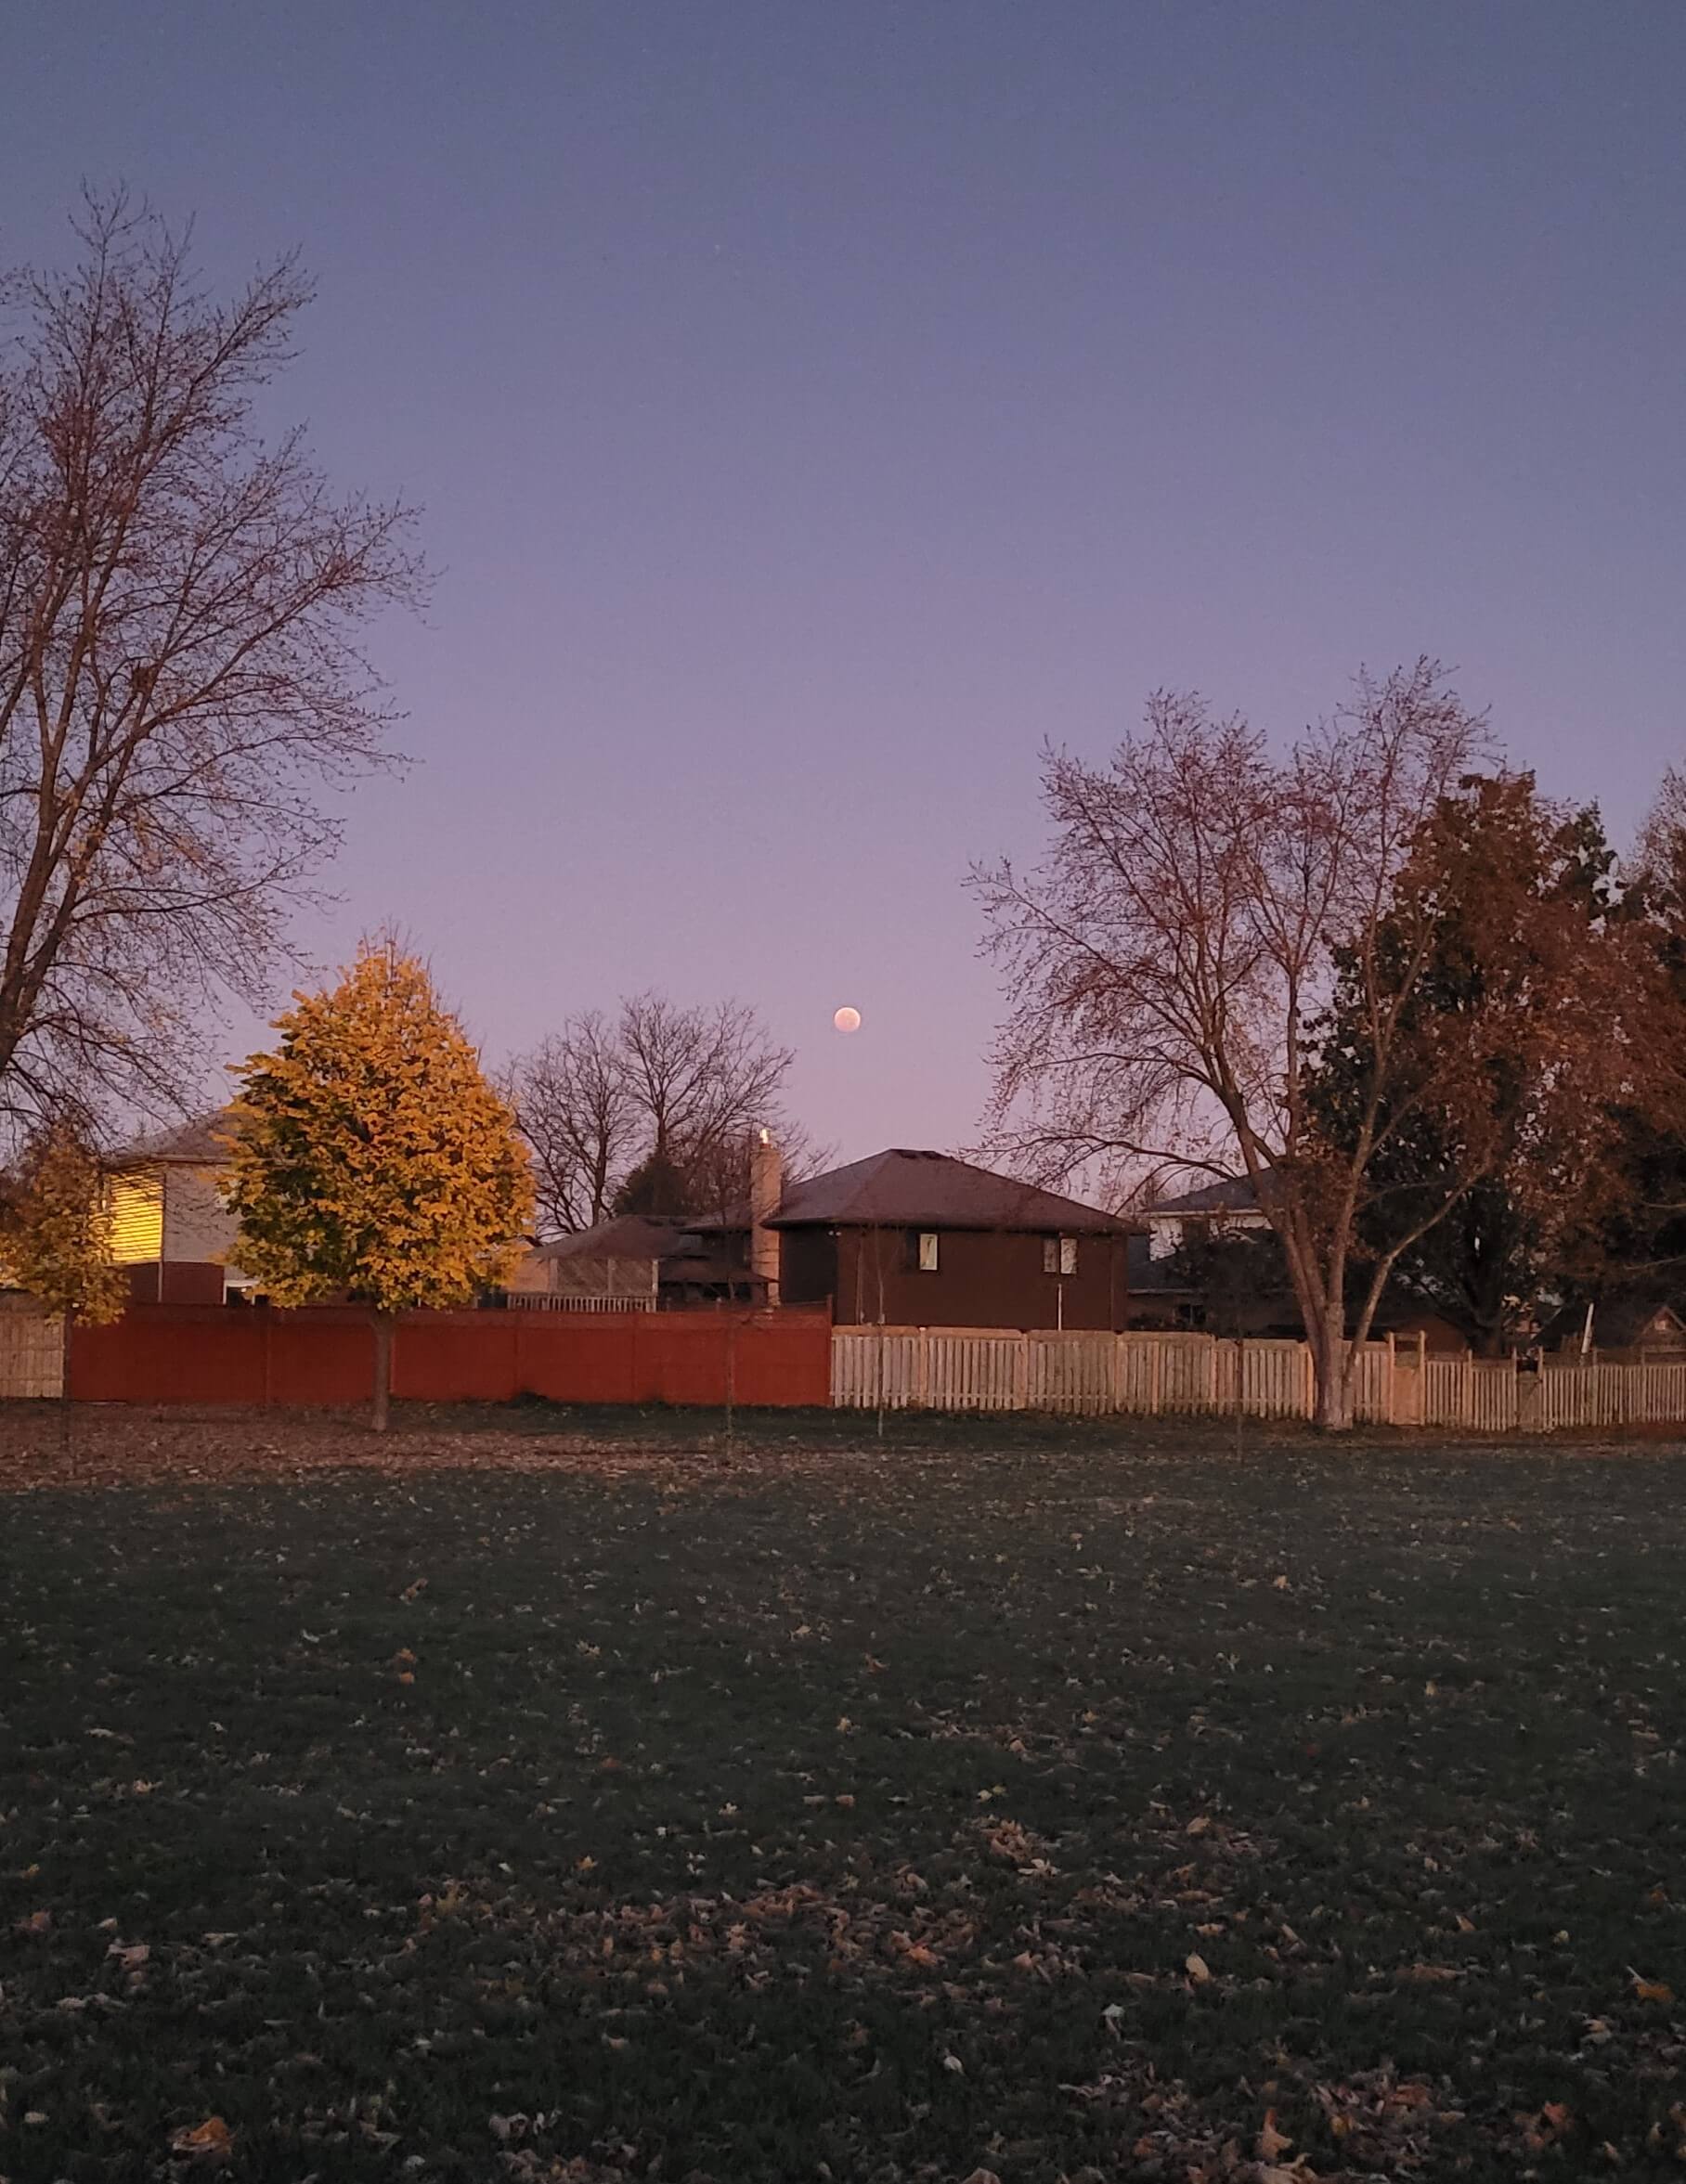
(164, 1353)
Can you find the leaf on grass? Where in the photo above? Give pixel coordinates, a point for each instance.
(1198, 1969)
(1270, 2140)
(1650, 1990)
(211, 2140)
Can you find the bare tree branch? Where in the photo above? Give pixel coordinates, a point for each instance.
(1167, 963)
(181, 606)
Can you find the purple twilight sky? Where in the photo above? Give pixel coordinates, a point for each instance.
(815, 405)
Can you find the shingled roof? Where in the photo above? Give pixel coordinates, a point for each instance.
(903, 1188)
(198, 1143)
(1230, 1194)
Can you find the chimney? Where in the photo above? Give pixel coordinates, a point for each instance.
(766, 1189)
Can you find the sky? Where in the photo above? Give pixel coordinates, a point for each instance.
(813, 407)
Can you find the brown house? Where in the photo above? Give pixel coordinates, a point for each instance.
(919, 1239)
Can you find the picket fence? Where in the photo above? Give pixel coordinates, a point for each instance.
(1171, 1374)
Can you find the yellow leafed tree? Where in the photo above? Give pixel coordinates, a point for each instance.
(58, 1242)
(370, 1158)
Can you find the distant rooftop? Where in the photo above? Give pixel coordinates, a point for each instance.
(198, 1143)
(907, 1188)
(1229, 1194)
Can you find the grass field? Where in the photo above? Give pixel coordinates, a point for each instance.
(1043, 1801)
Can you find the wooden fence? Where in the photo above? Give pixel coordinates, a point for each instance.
(220, 1354)
(161, 1353)
(31, 1348)
(1166, 1375)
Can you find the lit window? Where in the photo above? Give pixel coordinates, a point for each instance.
(1059, 1255)
(927, 1251)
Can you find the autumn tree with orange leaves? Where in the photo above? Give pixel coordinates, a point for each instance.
(370, 1158)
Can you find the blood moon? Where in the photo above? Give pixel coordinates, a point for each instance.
(846, 1020)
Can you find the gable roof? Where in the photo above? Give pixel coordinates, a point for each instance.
(903, 1188)
(628, 1236)
(1229, 1194)
(198, 1143)
(1619, 1323)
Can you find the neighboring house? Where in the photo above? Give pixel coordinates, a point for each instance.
(1247, 1292)
(169, 1224)
(639, 1262)
(1164, 1288)
(1230, 1206)
(911, 1238)
(906, 1238)
(1636, 1323)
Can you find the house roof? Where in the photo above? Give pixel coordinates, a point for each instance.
(1619, 1323)
(1229, 1194)
(632, 1236)
(903, 1188)
(198, 1143)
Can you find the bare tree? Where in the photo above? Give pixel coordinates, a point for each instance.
(700, 1075)
(574, 1101)
(180, 605)
(1168, 963)
(661, 1088)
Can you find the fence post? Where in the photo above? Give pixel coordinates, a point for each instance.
(1021, 1372)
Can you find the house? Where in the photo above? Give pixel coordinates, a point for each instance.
(169, 1224)
(913, 1238)
(1167, 1286)
(1176, 1280)
(1639, 1325)
(904, 1238)
(639, 1262)
(1227, 1207)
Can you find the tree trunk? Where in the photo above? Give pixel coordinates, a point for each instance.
(1333, 1411)
(382, 1403)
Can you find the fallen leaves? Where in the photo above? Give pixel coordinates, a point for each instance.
(211, 2140)
(1197, 1767)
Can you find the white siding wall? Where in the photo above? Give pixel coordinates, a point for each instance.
(197, 1224)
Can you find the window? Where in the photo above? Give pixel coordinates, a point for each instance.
(926, 1251)
(1059, 1255)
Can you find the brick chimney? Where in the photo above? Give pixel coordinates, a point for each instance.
(766, 1189)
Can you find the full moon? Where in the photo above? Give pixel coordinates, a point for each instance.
(846, 1020)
